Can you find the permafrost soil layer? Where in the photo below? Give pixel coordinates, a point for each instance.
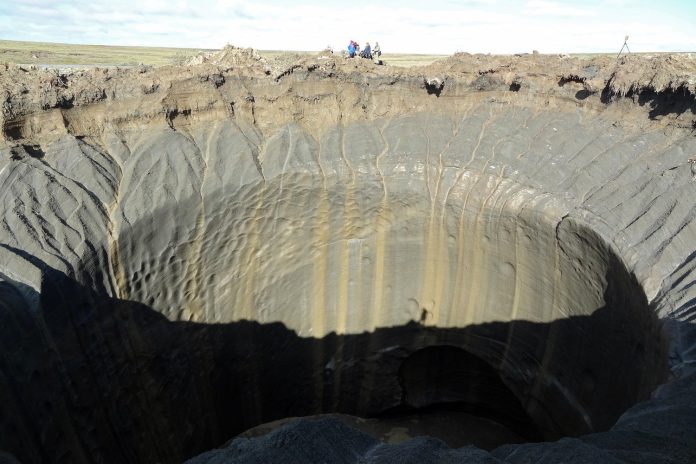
(493, 251)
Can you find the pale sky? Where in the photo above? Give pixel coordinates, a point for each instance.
(407, 26)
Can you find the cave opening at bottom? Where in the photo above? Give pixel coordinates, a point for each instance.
(454, 395)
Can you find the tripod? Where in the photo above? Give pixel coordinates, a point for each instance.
(625, 45)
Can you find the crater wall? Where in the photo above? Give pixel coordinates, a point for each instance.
(186, 260)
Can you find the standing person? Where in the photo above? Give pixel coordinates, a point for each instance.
(367, 52)
(351, 49)
(376, 52)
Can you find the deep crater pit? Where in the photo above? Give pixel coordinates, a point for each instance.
(472, 323)
(197, 254)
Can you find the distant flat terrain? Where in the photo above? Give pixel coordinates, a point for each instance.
(104, 55)
(46, 53)
(71, 55)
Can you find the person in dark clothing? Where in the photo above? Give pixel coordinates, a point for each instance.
(367, 51)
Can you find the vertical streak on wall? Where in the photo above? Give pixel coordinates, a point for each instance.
(520, 258)
(116, 272)
(320, 280)
(378, 306)
(479, 246)
(519, 251)
(350, 213)
(457, 313)
(195, 281)
(377, 283)
(497, 267)
(346, 233)
(429, 267)
(319, 275)
(436, 262)
(247, 310)
(247, 307)
(355, 317)
(441, 276)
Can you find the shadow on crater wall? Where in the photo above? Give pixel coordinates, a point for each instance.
(94, 379)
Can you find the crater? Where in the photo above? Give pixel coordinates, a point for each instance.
(560, 344)
(479, 268)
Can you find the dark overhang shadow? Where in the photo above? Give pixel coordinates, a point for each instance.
(89, 378)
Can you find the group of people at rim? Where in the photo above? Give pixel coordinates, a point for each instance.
(367, 52)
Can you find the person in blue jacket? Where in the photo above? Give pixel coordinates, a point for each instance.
(351, 49)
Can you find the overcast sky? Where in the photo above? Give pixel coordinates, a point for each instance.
(442, 26)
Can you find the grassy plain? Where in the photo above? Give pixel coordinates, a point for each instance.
(45, 53)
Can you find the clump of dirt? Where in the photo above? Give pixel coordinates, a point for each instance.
(229, 57)
(628, 73)
(659, 73)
